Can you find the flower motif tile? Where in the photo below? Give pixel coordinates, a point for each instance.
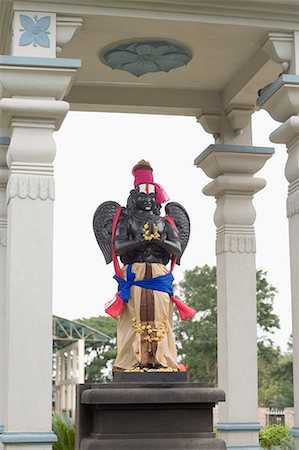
(34, 31)
(142, 57)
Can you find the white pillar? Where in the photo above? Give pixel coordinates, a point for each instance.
(232, 168)
(33, 112)
(288, 133)
(70, 372)
(280, 99)
(30, 195)
(4, 141)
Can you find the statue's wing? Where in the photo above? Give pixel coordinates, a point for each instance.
(102, 226)
(180, 216)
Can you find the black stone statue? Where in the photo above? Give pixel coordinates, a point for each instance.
(145, 242)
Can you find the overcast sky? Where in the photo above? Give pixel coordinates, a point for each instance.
(95, 155)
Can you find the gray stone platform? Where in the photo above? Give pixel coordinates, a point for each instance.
(150, 377)
(146, 415)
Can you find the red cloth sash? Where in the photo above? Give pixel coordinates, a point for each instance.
(116, 305)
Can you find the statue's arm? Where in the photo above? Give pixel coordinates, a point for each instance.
(124, 241)
(170, 241)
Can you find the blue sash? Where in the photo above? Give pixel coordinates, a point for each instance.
(162, 283)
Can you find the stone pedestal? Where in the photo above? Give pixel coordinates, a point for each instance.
(146, 415)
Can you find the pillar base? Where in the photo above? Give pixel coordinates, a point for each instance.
(295, 432)
(244, 447)
(19, 438)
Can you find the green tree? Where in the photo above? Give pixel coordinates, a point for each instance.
(267, 320)
(275, 377)
(101, 357)
(197, 339)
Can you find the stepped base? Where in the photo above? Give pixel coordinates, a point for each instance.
(146, 415)
(150, 443)
(148, 377)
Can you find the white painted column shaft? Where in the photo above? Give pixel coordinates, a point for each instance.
(3, 244)
(237, 335)
(232, 168)
(280, 99)
(292, 174)
(30, 195)
(28, 343)
(288, 133)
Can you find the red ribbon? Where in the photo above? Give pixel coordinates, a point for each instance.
(116, 305)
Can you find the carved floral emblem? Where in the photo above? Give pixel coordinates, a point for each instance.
(142, 57)
(35, 31)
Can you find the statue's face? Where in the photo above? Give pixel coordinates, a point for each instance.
(144, 202)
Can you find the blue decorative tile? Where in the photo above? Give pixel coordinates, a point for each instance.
(144, 56)
(35, 31)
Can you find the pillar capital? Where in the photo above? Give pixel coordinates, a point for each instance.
(232, 159)
(234, 185)
(32, 107)
(37, 77)
(30, 163)
(280, 99)
(232, 169)
(33, 112)
(288, 132)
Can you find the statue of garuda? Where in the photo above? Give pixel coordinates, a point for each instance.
(145, 243)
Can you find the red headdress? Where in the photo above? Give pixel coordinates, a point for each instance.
(143, 174)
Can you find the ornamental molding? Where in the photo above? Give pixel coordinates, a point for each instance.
(36, 113)
(293, 204)
(66, 27)
(140, 57)
(279, 48)
(294, 186)
(31, 186)
(239, 117)
(211, 123)
(235, 243)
